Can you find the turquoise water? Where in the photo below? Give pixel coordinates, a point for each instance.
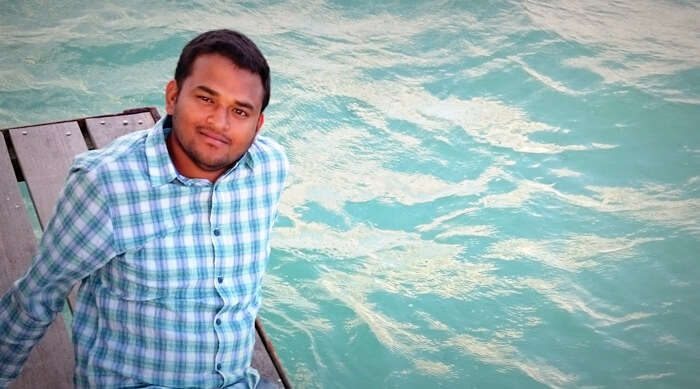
(484, 194)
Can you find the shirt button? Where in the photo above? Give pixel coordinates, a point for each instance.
(218, 322)
(217, 232)
(218, 366)
(220, 280)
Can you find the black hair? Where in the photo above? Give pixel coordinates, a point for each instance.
(232, 45)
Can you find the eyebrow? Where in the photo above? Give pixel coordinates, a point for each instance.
(215, 93)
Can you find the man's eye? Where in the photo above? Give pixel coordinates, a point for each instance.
(240, 112)
(205, 99)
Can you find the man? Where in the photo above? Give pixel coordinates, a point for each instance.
(167, 232)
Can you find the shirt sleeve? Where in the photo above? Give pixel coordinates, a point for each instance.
(77, 241)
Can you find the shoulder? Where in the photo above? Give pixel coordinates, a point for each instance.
(270, 154)
(125, 149)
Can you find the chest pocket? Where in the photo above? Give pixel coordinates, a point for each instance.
(172, 263)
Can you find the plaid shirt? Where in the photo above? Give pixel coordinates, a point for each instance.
(171, 268)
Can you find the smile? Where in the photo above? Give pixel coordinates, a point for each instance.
(214, 136)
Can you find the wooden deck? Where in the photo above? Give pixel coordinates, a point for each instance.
(41, 156)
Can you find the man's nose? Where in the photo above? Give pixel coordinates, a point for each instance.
(219, 119)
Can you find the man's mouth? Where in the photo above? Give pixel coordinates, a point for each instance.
(214, 136)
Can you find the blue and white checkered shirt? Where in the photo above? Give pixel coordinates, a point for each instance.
(171, 268)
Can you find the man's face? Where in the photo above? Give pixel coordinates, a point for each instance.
(216, 116)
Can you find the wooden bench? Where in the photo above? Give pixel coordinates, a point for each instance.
(40, 156)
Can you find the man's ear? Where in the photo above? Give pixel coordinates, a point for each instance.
(171, 92)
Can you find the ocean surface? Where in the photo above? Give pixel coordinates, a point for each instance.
(484, 194)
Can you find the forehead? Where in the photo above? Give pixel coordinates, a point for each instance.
(223, 76)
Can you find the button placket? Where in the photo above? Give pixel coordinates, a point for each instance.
(216, 232)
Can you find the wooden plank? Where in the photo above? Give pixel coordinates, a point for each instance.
(262, 361)
(106, 129)
(45, 154)
(50, 364)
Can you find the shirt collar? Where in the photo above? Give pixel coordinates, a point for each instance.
(160, 167)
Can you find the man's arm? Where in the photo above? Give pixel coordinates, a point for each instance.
(77, 240)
